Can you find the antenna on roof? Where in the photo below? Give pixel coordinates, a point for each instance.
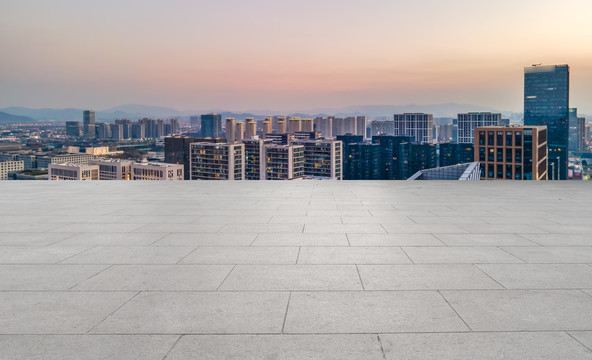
(535, 65)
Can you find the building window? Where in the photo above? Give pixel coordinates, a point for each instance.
(509, 138)
(509, 156)
(481, 137)
(500, 172)
(500, 138)
(518, 138)
(490, 138)
(500, 154)
(509, 172)
(518, 172)
(490, 174)
(518, 156)
(481, 154)
(490, 154)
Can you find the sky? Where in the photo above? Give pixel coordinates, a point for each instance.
(287, 55)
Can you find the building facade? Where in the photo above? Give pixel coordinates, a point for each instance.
(322, 158)
(466, 124)
(284, 162)
(113, 169)
(88, 121)
(255, 158)
(73, 129)
(10, 166)
(419, 126)
(156, 171)
(211, 125)
(211, 161)
(72, 171)
(176, 151)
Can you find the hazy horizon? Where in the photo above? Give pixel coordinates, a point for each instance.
(286, 56)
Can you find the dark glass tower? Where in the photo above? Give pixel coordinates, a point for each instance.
(88, 122)
(211, 125)
(546, 102)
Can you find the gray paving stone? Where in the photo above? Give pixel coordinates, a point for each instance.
(243, 255)
(584, 337)
(56, 312)
(37, 254)
(293, 277)
(377, 220)
(88, 347)
(459, 255)
(96, 228)
(45, 277)
(560, 239)
(196, 239)
(423, 229)
(262, 228)
(305, 220)
(32, 239)
(370, 312)
(111, 239)
(160, 219)
(301, 240)
(540, 276)
(277, 347)
(180, 228)
(522, 310)
(548, 254)
(393, 240)
(158, 277)
(483, 346)
(484, 240)
(28, 227)
(343, 229)
(424, 277)
(131, 255)
(199, 313)
(446, 220)
(501, 229)
(352, 255)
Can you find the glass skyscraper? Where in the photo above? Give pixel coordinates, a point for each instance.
(546, 102)
(211, 125)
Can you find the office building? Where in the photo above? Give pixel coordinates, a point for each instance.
(466, 124)
(382, 128)
(176, 151)
(266, 127)
(294, 125)
(10, 166)
(116, 132)
(587, 134)
(446, 133)
(581, 134)
(73, 129)
(362, 162)
(44, 161)
(281, 139)
(255, 158)
(415, 157)
(513, 153)
(113, 169)
(390, 154)
(73, 171)
(452, 153)
(211, 161)
(417, 125)
(361, 124)
(546, 103)
(324, 125)
(88, 122)
(239, 131)
(573, 129)
(250, 128)
(194, 122)
(284, 162)
(307, 135)
(157, 171)
(346, 140)
(103, 131)
(229, 130)
(322, 158)
(282, 125)
(211, 125)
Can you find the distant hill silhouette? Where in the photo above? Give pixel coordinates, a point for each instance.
(6, 118)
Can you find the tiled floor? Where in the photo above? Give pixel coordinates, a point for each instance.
(295, 270)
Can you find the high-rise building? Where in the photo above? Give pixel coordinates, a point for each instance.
(362, 162)
(294, 125)
(415, 157)
(73, 129)
(266, 128)
(174, 126)
(113, 169)
(390, 155)
(284, 162)
(255, 158)
(322, 158)
(349, 126)
(156, 171)
(88, 121)
(282, 125)
(250, 128)
(116, 132)
(346, 140)
(239, 131)
(446, 133)
(468, 122)
(452, 153)
(138, 131)
(211, 125)
(229, 130)
(573, 129)
(587, 134)
(194, 122)
(210, 161)
(417, 125)
(103, 131)
(126, 125)
(382, 128)
(281, 138)
(307, 125)
(176, 151)
(546, 103)
(512, 153)
(361, 124)
(324, 125)
(581, 134)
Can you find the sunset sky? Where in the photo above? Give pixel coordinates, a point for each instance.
(287, 55)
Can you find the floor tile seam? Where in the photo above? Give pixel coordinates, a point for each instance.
(568, 332)
(226, 277)
(172, 346)
(114, 311)
(286, 312)
(60, 262)
(161, 238)
(453, 309)
(188, 254)
(381, 346)
(509, 253)
(489, 276)
(90, 277)
(360, 278)
(385, 290)
(67, 238)
(254, 239)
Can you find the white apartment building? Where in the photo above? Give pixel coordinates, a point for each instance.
(284, 162)
(73, 171)
(113, 169)
(10, 166)
(322, 158)
(418, 125)
(157, 171)
(466, 124)
(216, 161)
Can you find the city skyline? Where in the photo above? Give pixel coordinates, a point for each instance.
(284, 57)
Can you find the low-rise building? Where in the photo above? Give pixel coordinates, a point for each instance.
(156, 171)
(113, 169)
(10, 166)
(73, 171)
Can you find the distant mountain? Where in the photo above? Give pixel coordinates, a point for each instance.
(439, 110)
(6, 118)
(45, 114)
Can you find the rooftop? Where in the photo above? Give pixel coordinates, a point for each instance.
(295, 270)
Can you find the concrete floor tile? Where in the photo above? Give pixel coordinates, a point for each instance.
(423, 229)
(550, 255)
(459, 255)
(352, 255)
(196, 239)
(111, 239)
(301, 240)
(131, 255)
(370, 312)
(96, 228)
(199, 313)
(393, 240)
(293, 277)
(32, 239)
(278, 347)
(560, 239)
(243, 255)
(540, 276)
(343, 229)
(37, 254)
(45, 277)
(484, 240)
